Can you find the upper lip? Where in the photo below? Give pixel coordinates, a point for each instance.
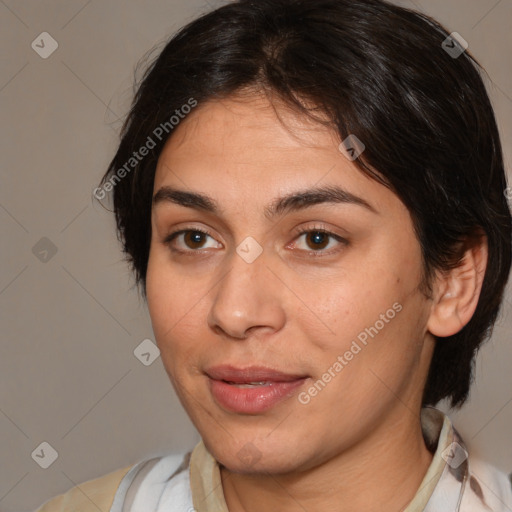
(230, 373)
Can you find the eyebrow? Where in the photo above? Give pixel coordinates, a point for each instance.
(296, 201)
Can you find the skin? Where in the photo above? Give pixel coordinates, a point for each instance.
(356, 445)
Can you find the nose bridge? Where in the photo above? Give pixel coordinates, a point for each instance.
(245, 296)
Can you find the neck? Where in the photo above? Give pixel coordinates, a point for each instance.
(382, 472)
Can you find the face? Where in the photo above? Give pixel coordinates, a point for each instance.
(283, 288)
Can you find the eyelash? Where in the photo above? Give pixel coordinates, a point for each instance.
(299, 232)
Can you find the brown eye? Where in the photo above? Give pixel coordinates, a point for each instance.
(194, 239)
(318, 239)
(189, 240)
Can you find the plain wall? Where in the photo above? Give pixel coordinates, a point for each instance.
(70, 324)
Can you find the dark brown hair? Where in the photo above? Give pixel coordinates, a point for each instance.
(381, 72)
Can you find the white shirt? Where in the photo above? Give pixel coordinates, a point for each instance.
(454, 482)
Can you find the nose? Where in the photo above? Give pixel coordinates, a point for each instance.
(249, 298)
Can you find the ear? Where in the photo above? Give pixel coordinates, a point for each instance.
(456, 291)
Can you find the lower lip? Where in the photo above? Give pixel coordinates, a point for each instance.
(252, 400)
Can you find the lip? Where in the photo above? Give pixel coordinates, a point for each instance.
(224, 381)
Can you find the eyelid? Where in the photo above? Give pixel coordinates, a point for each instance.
(316, 227)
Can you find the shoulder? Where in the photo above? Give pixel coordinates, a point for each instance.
(489, 485)
(92, 495)
(132, 486)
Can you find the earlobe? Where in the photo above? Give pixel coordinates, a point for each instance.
(457, 291)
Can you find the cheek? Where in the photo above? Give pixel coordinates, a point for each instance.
(372, 313)
(351, 303)
(159, 298)
(174, 309)
(169, 294)
(164, 307)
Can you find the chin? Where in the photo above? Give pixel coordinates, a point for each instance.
(249, 457)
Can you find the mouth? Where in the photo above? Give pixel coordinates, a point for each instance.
(251, 390)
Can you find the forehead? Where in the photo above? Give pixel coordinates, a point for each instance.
(245, 125)
(247, 148)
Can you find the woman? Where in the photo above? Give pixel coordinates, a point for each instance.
(311, 194)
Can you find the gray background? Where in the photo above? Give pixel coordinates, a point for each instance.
(70, 324)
